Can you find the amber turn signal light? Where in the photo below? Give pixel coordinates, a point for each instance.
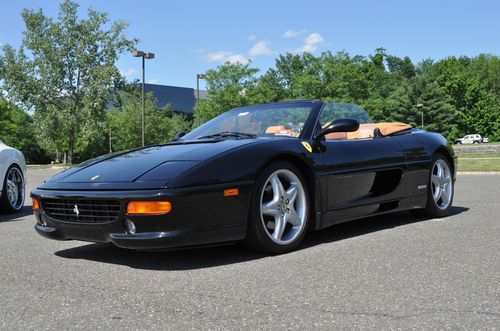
(36, 204)
(148, 207)
(231, 192)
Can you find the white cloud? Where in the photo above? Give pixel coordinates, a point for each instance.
(129, 72)
(260, 49)
(251, 37)
(237, 58)
(224, 56)
(152, 81)
(291, 33)
(218, 56)
(311, 43)
(313, 39)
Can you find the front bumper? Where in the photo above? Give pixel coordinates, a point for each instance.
(199, 216)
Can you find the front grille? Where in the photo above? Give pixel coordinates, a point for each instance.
(82, 210)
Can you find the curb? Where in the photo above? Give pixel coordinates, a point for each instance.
(43, 166)
(478, 173)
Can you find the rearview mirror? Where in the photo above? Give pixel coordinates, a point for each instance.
(179, 135)
(340, 125)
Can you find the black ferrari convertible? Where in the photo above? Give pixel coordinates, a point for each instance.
(262, 175)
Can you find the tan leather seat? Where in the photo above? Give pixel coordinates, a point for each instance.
(336, 136)
(275, 129)
(367, 131)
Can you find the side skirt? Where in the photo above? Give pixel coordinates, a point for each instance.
(349, 214)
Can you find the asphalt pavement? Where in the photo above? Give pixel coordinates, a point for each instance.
(395, 271)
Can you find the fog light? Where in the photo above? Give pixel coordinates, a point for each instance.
(130, 226)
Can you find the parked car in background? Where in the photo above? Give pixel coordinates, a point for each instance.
(471, 139)
(12, 171)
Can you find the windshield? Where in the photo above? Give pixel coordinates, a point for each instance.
(334, 111)
(258, 121)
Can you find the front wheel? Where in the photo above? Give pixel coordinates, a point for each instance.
(279, 210)
(440, 189)
(13, 191)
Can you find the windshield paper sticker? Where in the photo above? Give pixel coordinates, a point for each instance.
(307, 146)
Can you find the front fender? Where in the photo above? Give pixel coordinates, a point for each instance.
(8, 157)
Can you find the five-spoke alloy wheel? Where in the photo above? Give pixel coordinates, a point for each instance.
(283, 206)
(440, 189)
(279, 210)
(441, 184)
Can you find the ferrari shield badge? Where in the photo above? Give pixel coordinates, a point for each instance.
(307, 146)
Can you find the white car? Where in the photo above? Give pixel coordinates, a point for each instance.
(470, 139)
(12, 184)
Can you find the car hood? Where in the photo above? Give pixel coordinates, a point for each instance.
(144, 168)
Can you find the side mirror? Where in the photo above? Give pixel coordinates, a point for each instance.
(179, 135)
(341, 125)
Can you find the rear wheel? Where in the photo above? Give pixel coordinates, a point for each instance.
(13, 191)
(279, 211)
(440, 189)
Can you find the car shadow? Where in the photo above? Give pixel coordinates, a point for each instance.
(368, 225)
(25, 211)
(205, 257)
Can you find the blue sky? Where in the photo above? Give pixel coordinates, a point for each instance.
(191, 37)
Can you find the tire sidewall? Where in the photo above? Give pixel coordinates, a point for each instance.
(257, 237)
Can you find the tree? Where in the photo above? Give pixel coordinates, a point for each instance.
(230, 85)
(124, 121)
(64, 70)
(458, 94)
(17, 130)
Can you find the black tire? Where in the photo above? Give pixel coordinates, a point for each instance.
(5, 206)
(431, 209)
(257, 237)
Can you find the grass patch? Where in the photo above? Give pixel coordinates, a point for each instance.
(478, 155)
(474, 164)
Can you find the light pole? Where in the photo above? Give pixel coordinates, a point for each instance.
(198, 77)
(420, 106)
(144, 56)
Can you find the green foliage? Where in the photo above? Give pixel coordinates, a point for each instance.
(17, 130)
(64, 70)
(124, 121)
(229, 86)
(458, 95)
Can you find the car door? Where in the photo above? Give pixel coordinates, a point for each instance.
(360, 176)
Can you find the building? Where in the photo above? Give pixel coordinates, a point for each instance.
(181, 99)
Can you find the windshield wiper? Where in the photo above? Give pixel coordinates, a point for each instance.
(229, 134)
